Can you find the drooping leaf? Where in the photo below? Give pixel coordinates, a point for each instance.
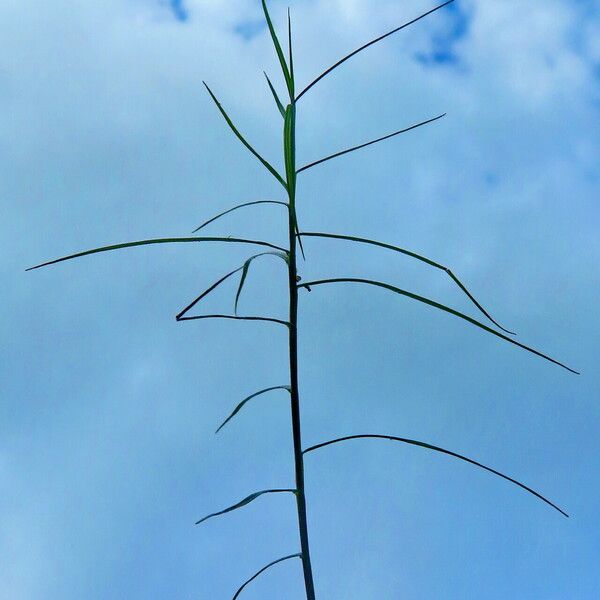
(157, 241)
(437, 449)
(412, 255)
(241, 588)
(180, 315)
(239, 407)
(243, 502)
(240, 137)
(226, 212)
(245, 268)
(364, 46)
(381, 139)
(440, 307)
(284, 67)
(275, 96)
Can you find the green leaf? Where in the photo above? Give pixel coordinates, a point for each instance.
(243, 502)
(275, 96)
(239, 407)
(245, 268)
(440, 307)
(291, 55)
(364, 46)
(412, 255)
(157, 241)
(385, 137)
(241, 588)
(443, 451)
(226, 212)
(240, 137)
(284, 68)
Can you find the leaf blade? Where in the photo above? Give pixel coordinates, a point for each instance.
(275, 96)
(419, 257)
(364, 46)
(155, 241)
(284, 67)
(241, 405)
(244, 502)
(443, 451)
(241, 588)
(360, 146)
(238, 206)
(439, 306)
(242, 139)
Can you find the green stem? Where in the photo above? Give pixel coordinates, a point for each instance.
(290, 167)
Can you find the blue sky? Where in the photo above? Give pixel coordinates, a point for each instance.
(108, 406)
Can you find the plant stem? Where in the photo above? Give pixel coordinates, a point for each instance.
(290, 164)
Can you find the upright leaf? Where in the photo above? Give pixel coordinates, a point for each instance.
(284, 67)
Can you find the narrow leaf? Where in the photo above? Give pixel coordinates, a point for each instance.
(275, 96)
(245, 268)
(385, 137)
(241, 285)
(157, 241)
(280, 56)
(240, 137)
(412, 255)
(239, 407)
(363, 47)
(440, 307)
(240, 589)
(226, 212)
(443, 451)
(291, 55)
(207, 291)
(178, 316)
(243, 502)
(235, 318)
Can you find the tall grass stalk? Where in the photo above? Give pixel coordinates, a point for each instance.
(288, 180)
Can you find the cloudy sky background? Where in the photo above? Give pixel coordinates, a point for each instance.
(108, 406)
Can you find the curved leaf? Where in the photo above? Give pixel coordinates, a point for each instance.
(240, 589)
(245, 268)
(226, 212)
(437, 449)
(440, 307)
(363, 47)
(412, 255)
(157, 241)
(239, 407)
(243, 502)
(385, 137)
(240, 137)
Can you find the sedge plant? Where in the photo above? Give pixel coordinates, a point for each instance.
(288, 180)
